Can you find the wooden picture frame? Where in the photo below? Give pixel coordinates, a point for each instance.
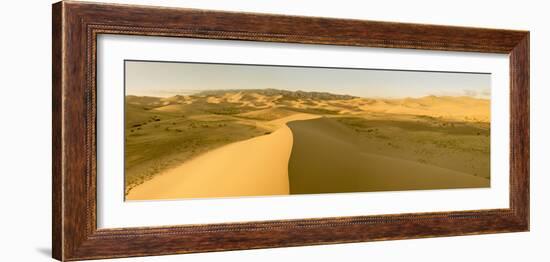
(76, 26)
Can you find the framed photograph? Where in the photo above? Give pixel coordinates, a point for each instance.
(182, 130)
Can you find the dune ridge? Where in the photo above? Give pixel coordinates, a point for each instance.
(227, 143)
(257, 166)
(328, 157)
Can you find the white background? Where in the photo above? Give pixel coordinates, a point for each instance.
(25, 145)
(114, 212)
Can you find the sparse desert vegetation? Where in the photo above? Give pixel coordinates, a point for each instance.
(325, 143)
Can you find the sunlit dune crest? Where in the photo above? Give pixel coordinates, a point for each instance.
(230, 143)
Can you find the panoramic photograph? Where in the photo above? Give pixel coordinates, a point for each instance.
(211, 130)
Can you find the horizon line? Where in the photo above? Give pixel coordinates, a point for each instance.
(194, 92)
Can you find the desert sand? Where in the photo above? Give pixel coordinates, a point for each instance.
(229, 143)
(257, 166)
(328, 157)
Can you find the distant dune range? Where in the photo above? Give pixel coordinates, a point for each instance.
(229, 143)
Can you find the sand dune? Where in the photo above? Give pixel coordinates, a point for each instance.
(328, 157)
(278, 123)
(413, 143)
(452, 108)
(267, 114)
(459, 108)
(257, 166)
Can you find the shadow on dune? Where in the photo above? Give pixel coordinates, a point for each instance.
(328, 157)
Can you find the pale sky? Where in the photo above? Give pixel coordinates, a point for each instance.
(144, 78)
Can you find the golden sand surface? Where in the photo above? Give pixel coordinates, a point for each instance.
(257, 166)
